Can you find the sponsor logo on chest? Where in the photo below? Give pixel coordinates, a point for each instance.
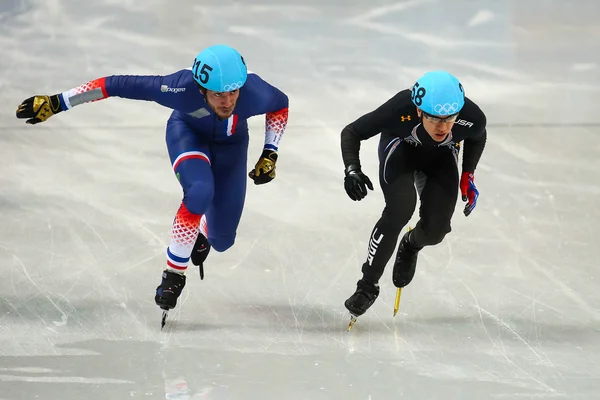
(166, 89)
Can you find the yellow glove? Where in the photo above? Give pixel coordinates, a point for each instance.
(264, 171)
(39, 108)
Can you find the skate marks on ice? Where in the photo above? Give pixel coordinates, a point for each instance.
(500, 347)
(388, 20)
(118, 369)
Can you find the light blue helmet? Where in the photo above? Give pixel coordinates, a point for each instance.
(220, 68)
(438, 93)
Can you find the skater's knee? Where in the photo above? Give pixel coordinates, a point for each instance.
(197, 197)
(394, 219)
(435, 232)
(222, 242)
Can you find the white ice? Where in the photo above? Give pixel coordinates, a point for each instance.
(506, 307)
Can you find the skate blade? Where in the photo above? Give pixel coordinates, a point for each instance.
(397, 302)
(353, 319)
(163, 321)
(399, 291)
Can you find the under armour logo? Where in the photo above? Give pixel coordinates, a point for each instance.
(405, 118)
(455, 147)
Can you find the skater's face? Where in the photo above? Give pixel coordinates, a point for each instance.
(222, 103)
(437, 127)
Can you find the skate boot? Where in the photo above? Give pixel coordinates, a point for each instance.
(169, 290)
(200, 252)
(364, 297)
(406, 262)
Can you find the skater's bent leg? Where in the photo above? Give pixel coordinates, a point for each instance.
(396, 178)
(229, 169)
(197, 182)
(401, 199)
(396, 167)
(438, 201)
(384, 236)
(191, 161)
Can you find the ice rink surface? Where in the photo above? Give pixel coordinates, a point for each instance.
(506, 307)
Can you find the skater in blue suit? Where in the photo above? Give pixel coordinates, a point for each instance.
(207, 141)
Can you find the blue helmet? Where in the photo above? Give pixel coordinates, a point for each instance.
(220, 68)
(438, 93)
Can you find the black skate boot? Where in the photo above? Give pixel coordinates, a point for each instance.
(406, 262)
(169, 290)
(200, 252)
(364, 297)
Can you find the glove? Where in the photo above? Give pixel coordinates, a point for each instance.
(39, 108)
(469, 192)
(356, 183)
(264, 170)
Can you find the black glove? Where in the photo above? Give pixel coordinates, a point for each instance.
(356, 183)
(39, 108)
(264, 170)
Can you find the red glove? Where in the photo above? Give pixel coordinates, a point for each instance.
(469, 192)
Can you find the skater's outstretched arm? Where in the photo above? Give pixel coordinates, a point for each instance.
(177, 91)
